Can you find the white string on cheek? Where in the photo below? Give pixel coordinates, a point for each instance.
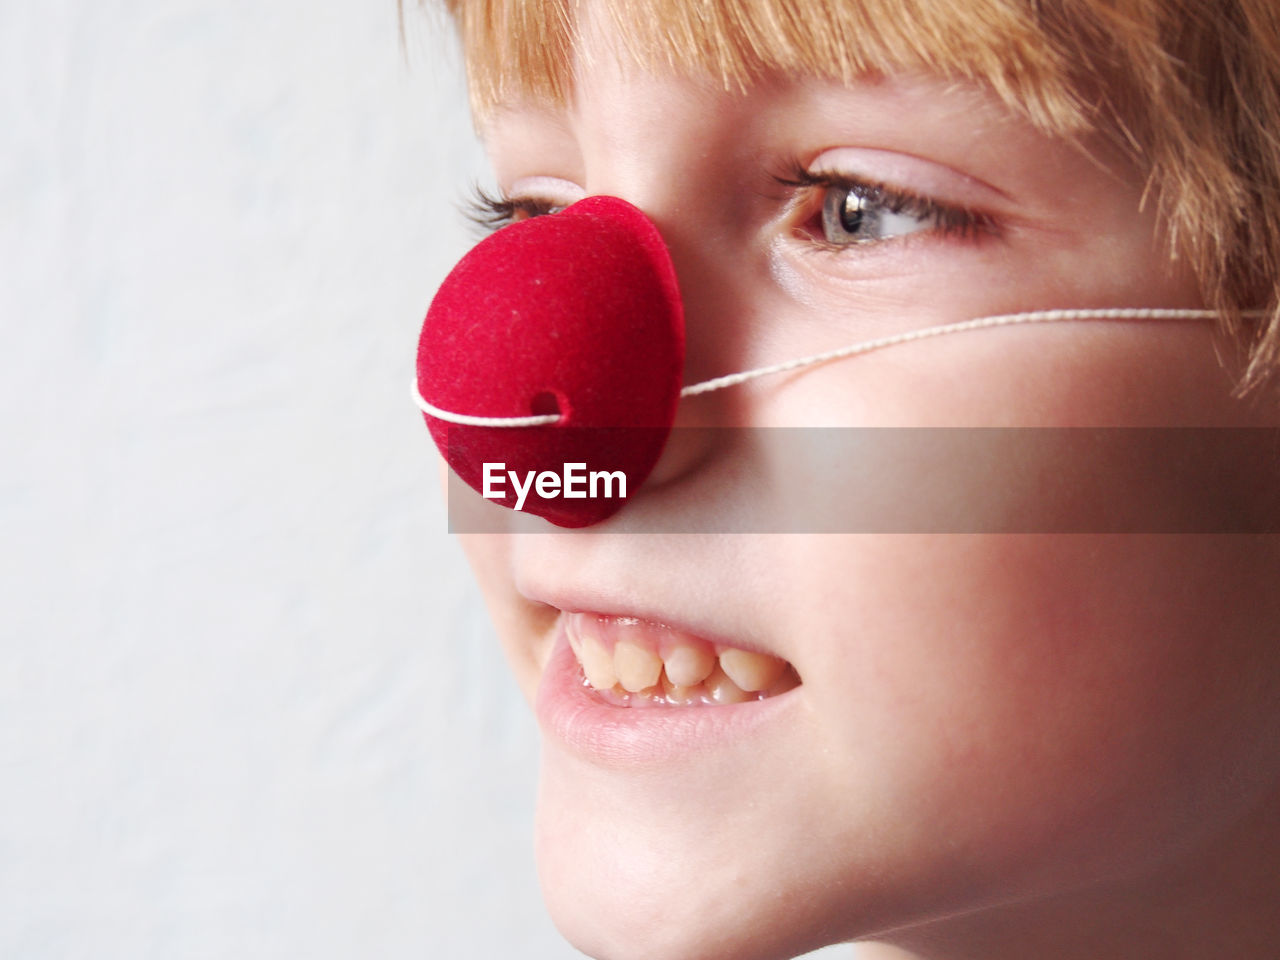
(866, 346)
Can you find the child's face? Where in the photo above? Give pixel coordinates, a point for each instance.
(981, 719)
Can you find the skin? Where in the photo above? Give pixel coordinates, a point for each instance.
(1004, 746)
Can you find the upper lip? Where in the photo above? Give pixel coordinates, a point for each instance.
(634, 576)
(601, 601)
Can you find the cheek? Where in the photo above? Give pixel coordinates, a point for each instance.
(1017, 713)
(525, 628)
(1030, 712)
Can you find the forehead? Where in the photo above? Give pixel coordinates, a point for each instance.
(526, 51)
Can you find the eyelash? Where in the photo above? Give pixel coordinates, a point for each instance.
(492, 212)
(809, 188)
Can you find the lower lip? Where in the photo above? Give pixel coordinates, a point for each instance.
(569, 711)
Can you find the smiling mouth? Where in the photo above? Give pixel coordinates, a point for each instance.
(629, 662)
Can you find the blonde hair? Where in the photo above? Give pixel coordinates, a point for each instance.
(1189, 89)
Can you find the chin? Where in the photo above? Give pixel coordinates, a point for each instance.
(628, 872)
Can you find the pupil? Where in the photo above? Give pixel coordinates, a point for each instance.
(851, 212)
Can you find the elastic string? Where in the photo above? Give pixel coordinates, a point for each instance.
(866, 346)
(463, 419)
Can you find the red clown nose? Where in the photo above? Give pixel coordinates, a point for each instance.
(576, 314)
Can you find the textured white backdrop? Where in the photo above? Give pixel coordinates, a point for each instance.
(250, 705)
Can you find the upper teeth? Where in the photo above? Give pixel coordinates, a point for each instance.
(637, 667)
(640, 657)
(751, 671)
(687, 664)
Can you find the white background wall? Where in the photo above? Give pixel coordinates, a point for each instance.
(250, 705)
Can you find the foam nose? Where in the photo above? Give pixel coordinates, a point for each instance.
(577, 312)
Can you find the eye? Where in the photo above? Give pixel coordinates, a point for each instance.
(536, 196)
(863, 214)
(841, 211)
(493, 212)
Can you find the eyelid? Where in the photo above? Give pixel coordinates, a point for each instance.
(549, 189)
(908, 173)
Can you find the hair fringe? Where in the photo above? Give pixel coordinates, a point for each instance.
(1189, 89)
